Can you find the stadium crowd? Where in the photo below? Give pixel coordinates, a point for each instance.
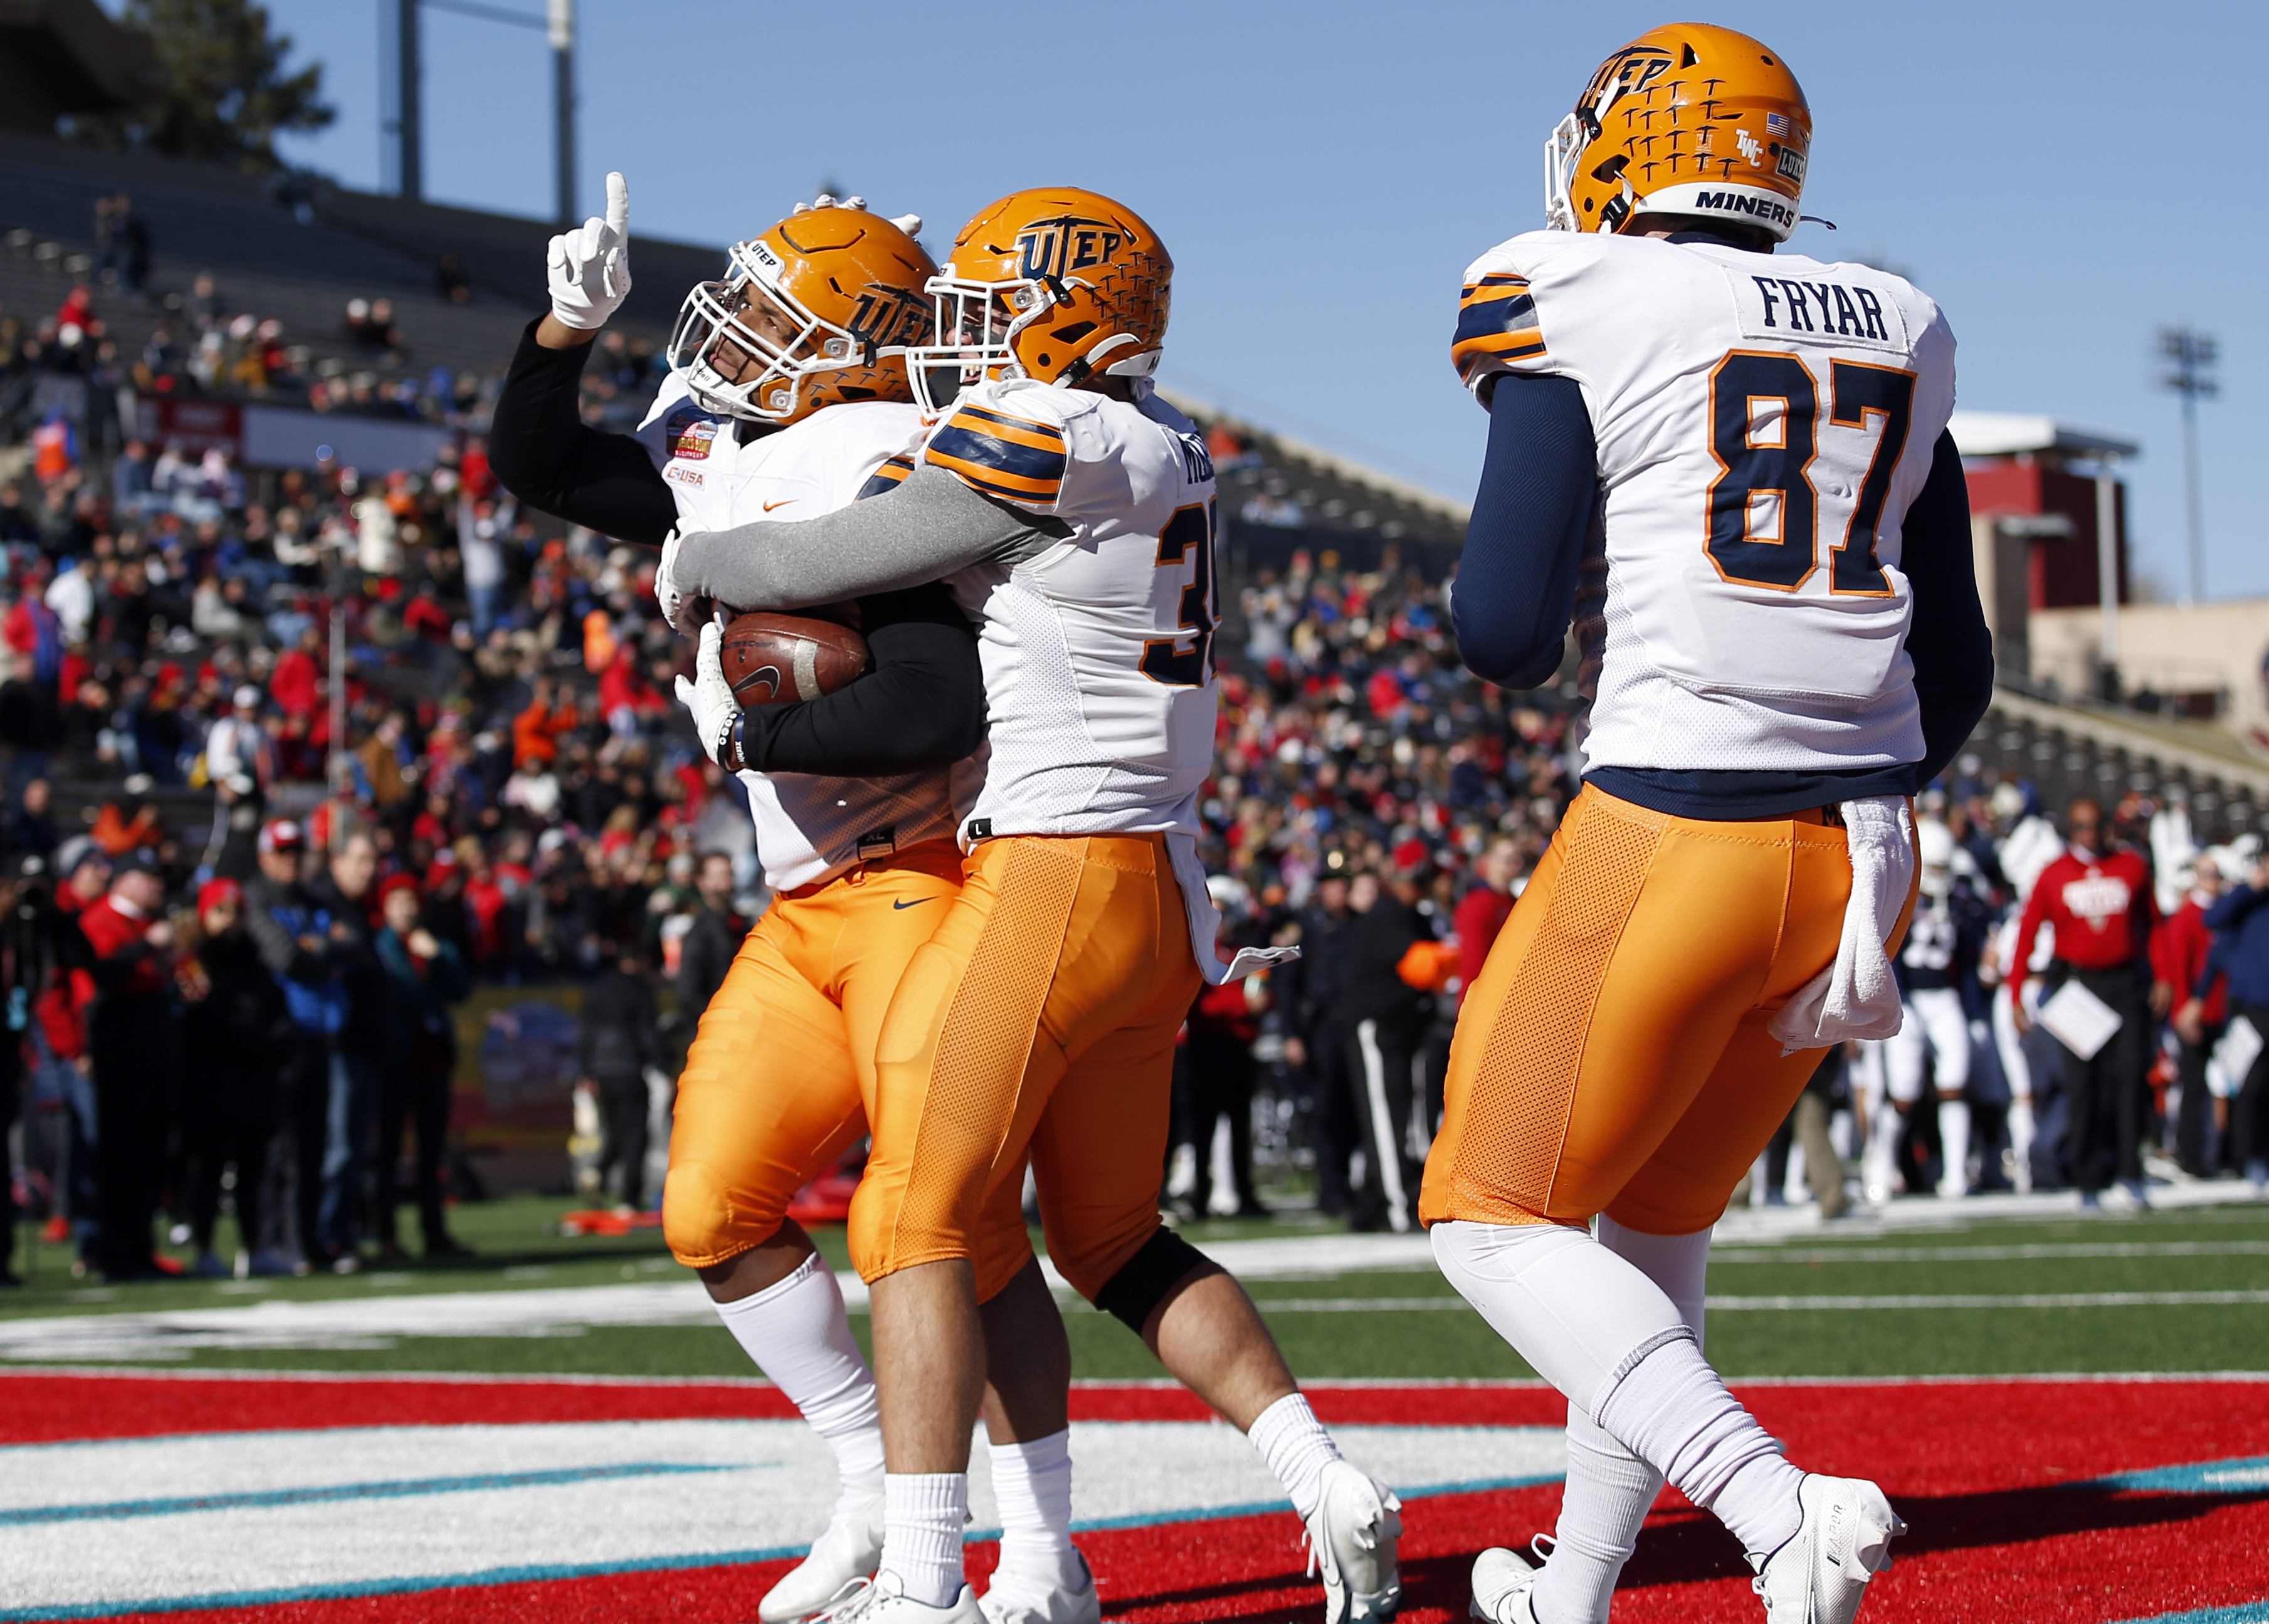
(249, 1008)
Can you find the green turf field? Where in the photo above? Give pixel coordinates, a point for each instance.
(1853, 1300)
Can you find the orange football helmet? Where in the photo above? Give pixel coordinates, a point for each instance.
(1054, 285)
(1692, 120)
(818, 310)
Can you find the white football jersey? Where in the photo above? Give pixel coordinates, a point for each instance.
(1762, 424)
(809, 827)
(1099, 649)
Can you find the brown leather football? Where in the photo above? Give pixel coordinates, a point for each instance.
(788, 658)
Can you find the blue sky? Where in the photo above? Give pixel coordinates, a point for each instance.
(2063, 179)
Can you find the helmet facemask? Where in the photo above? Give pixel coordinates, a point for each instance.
(749, 350)
(977, 327)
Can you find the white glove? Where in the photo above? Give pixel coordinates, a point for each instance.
(681, 610)
(709, 696)
(589, 269)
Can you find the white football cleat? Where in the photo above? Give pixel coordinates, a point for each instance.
(1503, 1580)
(1013, 1600)
(879, 1600)
(1820, 1576)
(1351, 1542)
(849, 1551)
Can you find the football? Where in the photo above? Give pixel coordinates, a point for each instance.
(788, 659)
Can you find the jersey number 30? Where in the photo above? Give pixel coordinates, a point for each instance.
(1764, 461)
(1187, 539)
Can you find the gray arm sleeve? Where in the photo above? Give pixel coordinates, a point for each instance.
(929, 526)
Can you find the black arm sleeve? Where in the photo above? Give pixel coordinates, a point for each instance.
(922, 705)
(541, 451)
(1516, 589)
(1948, 640)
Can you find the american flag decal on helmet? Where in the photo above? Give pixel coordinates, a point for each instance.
(997, 454)
(1776, 123)
(1496, 323)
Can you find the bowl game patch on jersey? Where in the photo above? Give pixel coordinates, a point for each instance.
(688, 433)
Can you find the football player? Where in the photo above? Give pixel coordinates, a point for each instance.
(1072, 511)
(789, 390)
(1730, 469)
(1935, 964)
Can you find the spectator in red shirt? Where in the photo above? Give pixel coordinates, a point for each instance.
(1482, 911)
(297, 683)
(2098, 898)
(129, 1037)
(2178, 955)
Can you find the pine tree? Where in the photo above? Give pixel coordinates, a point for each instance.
(226, 92)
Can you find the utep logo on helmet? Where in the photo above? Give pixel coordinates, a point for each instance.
(1054, 248)
(887, 316)
(1629, 71)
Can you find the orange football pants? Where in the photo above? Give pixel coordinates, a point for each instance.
(1040, 1017)
(1612, 1056)
(779, 1082)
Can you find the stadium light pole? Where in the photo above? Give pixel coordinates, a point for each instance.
(558, 23)
(2107, 556)
(562, 23)
(407, 147)
(2194, 355)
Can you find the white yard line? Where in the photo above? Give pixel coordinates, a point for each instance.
(377, 1322)
(1738, 1305)
(1992, 1254)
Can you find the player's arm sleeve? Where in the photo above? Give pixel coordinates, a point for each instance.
(1948, 641)
(1516, 587)
(932, 524)
(541, 451)
(922, 705)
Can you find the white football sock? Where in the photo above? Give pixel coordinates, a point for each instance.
(1954, 1140)
(796, 1331)
(1670, 1409)
(1610, 1490)
(925, 1514)
(1594, 1326)
(1882, 1159)
(2020, 1143)
(1297, 1449)
(1032, 1483)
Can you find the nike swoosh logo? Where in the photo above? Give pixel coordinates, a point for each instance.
(782, 503)
(916, 902)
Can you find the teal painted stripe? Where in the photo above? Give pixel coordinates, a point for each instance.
(393, 1489)
(2248, 1476)
(2244, 1612)
(398, 1587)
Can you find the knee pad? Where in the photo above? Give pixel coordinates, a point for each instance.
(699, 1220)
(1133, 1294)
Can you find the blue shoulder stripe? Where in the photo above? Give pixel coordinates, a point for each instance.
(981, 450)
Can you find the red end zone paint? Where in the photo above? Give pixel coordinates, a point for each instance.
(1982, 1471)
(43, 1408)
